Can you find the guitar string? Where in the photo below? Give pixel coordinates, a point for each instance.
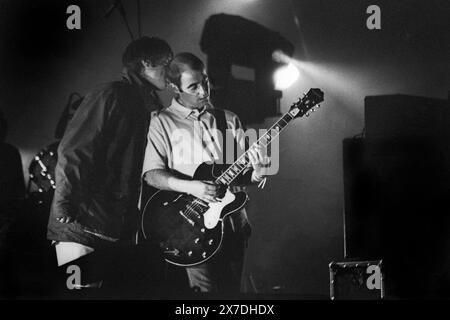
(246, 160)
(192, 207)
(278, 125)
(245, 155)
(197, 205)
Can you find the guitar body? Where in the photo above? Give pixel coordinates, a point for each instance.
(190, 231)
(189, 236)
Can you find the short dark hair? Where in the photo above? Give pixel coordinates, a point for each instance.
(181, 62)
(150, 49)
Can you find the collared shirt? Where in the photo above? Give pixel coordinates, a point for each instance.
(180, 139)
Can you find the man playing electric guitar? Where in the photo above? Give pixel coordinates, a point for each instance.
(180, 138)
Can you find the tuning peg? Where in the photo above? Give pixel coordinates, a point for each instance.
(307, 114)
(318, 106)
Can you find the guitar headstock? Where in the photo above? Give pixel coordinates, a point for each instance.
(307, 104)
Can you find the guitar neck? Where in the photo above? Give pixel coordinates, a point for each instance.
(233, 171)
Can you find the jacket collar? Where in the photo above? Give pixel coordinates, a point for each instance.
(145, 88)
(133, 78)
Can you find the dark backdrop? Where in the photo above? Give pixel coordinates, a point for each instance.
(297, 218)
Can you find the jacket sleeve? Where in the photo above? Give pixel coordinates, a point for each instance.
(77, 152)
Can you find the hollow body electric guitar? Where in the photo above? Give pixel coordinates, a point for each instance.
(188, 230)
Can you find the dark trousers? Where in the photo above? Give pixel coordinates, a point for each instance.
(113, 272)
(220, 275)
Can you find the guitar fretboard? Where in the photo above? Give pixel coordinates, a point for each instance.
(243, 161)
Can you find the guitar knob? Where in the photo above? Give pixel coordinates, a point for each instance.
(210, 242)
(190, 253)
(204, 254)
(197, 240)
(202, 230)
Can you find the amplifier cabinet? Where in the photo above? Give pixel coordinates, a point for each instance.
(356, 280)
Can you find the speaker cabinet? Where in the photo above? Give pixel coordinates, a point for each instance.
(396, 186)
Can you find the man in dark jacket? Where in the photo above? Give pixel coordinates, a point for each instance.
(94, 210)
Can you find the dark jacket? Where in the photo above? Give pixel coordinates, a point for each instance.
(99, 164)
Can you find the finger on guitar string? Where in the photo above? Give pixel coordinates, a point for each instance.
(252, 157)
(257, 155)
(222, 189)
(210, 198)
(260, 153)
(212, 189)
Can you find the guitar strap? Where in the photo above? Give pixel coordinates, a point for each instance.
(221, 122)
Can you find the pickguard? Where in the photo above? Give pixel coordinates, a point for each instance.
(212, 216)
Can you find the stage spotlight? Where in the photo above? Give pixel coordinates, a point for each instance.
(285, 76)
(281, 57)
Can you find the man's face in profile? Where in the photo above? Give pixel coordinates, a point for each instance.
(194, 88)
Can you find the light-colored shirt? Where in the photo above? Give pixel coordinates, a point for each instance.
(70, 251)
(180, 139)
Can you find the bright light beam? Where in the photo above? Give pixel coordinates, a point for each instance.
(285, 76)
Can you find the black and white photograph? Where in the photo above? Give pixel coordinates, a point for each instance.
(225, 154)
